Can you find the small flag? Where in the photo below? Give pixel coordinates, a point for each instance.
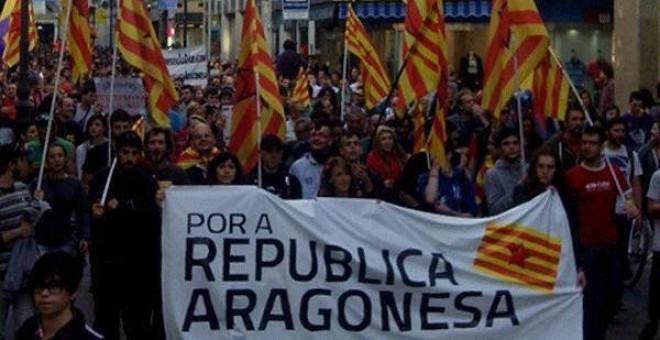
(519, 254)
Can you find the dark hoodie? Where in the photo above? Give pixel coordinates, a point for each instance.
(499, 183)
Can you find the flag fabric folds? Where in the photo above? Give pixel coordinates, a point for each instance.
(140, 48)
(254, 62)
(10, 28)
(359, 43)
(550, 88)
(517, 41)
(521, 255)
(301, 90)
(79, 39)
(423, 52)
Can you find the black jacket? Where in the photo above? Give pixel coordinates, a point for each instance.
(76, 329)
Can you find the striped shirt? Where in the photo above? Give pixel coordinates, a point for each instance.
(15, 207)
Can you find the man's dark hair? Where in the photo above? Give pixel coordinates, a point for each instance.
(505, 133)
(211, 91)
(120, 115)
(169, 137)
(289, 45)
(10, 153)
(594, 131)
(635, 95)
(87, 87)
(271, 143)
(574, 107)
(130, 139)
(616, 121)
(57, 269)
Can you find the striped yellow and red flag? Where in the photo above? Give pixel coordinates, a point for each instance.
(374, 76)
(79, 39)
(418, 115)
(301, 90)
(550, 88)
(140, 48)
(517, 41)
(254, 62)
(437, 134)
(422, 50)
(519, 254)
(12, 37)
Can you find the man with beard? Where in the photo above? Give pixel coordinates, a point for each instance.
(307, 170)
(274, 177)
(351, 150)
(124, 253)
(159, 144)
(201, 151)
(566, 143)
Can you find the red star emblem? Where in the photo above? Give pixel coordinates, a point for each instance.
(518, 254)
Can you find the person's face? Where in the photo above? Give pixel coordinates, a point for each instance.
(545, 169)
(10, 91)
(387, 141)
(302, 132)
(591, 147)
(371, 123)
(271, 159)
(617, 134)
(89, 98)
(466, 102)
(327, 107)
(31, 133)
(403, 129)
(655, 132)
(311, 79)
(199, 95)
(186, 95)
(575, 122)
(226, 172)
(635, 106)
(355, 123)
(358, 98)
(340, 180)
(56, 159)
(510, 148)
(351, 149)
(202, 138)
(96, 129)
(119, 127)
(52, 300)
(128, 156)
(611, 114)
(156, 147)
(493, 151)
(320, 138)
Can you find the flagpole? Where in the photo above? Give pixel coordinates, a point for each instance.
(258, 134)
(572, 86)
(344, 86)
(106, 187)
(112, 93)
(54, 100)
(519, 107)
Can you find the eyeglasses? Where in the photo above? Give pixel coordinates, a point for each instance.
(52, 290)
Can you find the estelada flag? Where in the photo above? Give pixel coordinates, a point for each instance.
(519, 254)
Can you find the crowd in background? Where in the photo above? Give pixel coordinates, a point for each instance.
(605, 174)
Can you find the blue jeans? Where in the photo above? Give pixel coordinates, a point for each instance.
(602, 295)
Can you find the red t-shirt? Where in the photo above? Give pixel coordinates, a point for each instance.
(596, 193)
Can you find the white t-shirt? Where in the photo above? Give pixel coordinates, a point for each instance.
(654, 194)
(619, 158)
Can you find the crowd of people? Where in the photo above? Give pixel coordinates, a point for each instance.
(605, 174)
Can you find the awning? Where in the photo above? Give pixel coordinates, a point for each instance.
(454, 9)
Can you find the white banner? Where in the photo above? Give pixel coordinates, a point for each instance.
(129, 95)
(241, 263)
(188, 64)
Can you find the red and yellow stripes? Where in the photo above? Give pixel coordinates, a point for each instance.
(517, 35)
(139, 47)
(424, 50)
(550, 88)
(418, 115)
(254, 59)
(301, 90)
(374, 77)
(79, 39)
(13, 36)
(521, 255)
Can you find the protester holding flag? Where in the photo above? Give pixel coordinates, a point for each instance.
(567, 142)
